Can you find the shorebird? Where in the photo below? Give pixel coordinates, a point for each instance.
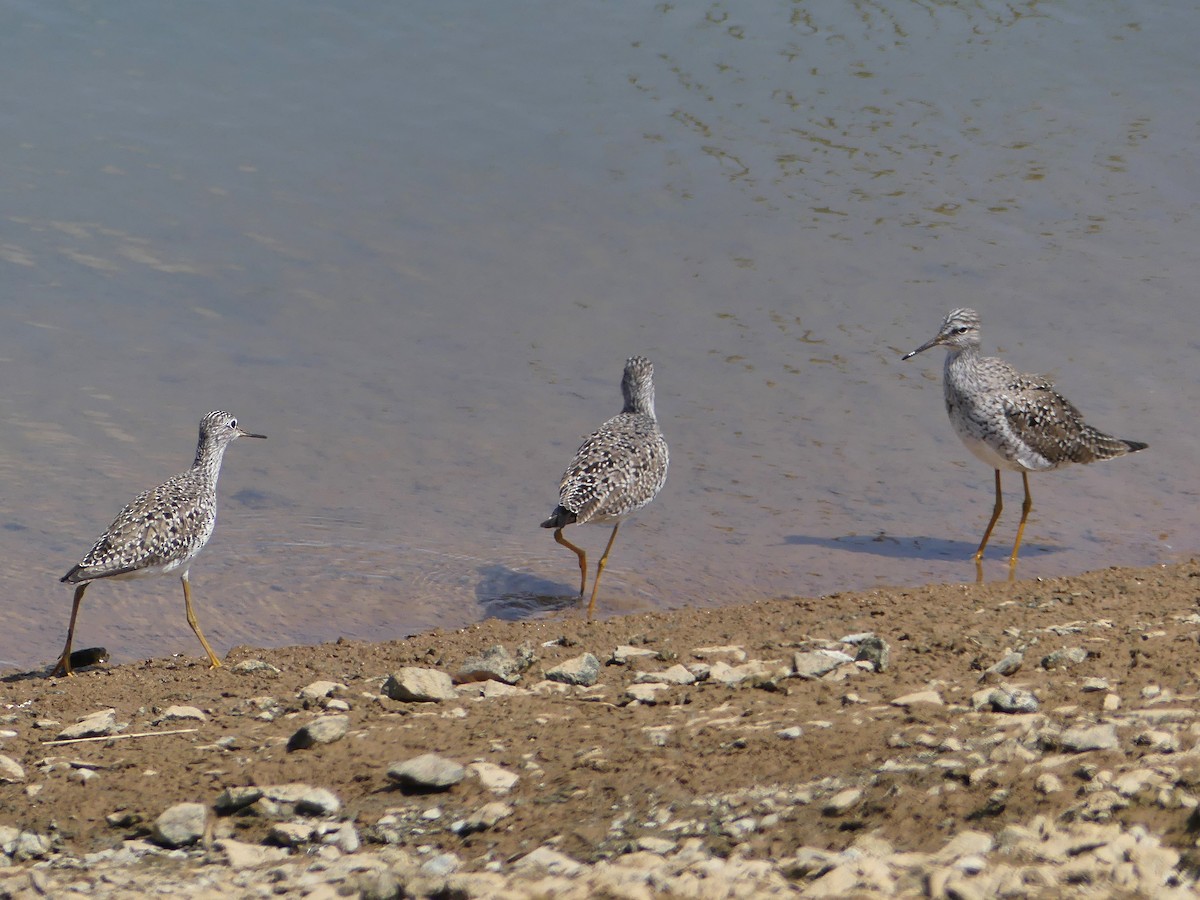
(615, 472)
(161, 530)
(1011, 420)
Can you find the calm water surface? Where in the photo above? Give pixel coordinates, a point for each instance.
(415, 242)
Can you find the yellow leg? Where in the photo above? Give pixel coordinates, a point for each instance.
(992, 524)
(1025, 508)
(558, 536)
(213, 662)
(64, 661)
(600, 568)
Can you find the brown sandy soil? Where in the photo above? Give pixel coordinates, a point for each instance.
(585, 757)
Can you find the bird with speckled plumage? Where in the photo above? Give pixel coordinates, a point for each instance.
(617, 471)
(161, 530)
(1011, 420)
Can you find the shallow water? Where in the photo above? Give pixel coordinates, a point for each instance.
(414, 243)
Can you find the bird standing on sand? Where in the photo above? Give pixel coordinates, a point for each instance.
(162, 530)
(615, 472)
(1011, 420)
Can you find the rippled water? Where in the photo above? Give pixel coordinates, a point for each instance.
(414, 244)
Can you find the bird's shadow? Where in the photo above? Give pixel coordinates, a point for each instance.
(510, 595)
(908, 547)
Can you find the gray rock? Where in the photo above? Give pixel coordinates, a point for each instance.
(815, 663)
(10, 770)
(495, 778)
(875, 650)
(180, 825)
(413, 684)
(842, 801)
(291, 834)
(1065, 658)
(248, 856)
(29, 845)
(428, 772)
(624, 653)
(98, 724)
(318, 802)
(253, 667)
(483, 818)
(232, 799)
(320, 690)
(648, 694)
(547, 859)
(1158, 741)
(322, 730)
(931, 697)
(1007, 699)
(441, 865)
(495, 664)
(1095, 737)
(345, 838)
(677, 674)
(1091, 685)
(1008, 665)
(181, 713)
(790, 734)
(582, 670)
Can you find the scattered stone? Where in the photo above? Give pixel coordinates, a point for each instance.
(646, 693)
(1095, 737)
(1157, 741)
(754, 672)
(842, 801)
(180, 825)
(548, 860)
(725, 654)
(815, 663)
(413, 684)
(1065, 658)
(233, 799)
(322, 730)
(930, 697)
(254, 666)
(181, 713)
(248, 856)
(677, 674)
(581, 670)
(1010, 664)
(10, 770)
(1012, 700)
(483, 818)
(1094, 684)
(1048, 783)
(495, 778)
(318, 802)
(790, 734)
(1112, 702)
(495, 664)
(428, 772)
(625, 654)
(873, 649)
(291, 834)
(98, 724)
(321, 690)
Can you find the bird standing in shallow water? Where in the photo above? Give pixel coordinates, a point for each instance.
(162, 530)
(1011, 420)
(615, 472)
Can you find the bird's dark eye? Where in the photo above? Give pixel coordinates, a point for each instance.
(961, 329)
(233, 423)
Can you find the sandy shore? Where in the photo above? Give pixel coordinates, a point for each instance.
(815, 746)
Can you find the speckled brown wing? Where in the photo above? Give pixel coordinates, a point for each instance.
(1052, 427)
(616, 471)
(158, 527)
